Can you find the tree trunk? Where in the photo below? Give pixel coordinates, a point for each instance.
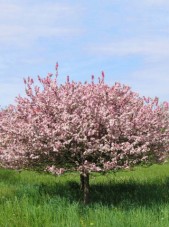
(84, 185)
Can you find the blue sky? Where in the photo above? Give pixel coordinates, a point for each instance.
(127, 39)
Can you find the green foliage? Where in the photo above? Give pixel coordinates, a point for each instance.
(127, 198)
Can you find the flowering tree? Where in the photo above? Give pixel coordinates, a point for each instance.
(85, 127)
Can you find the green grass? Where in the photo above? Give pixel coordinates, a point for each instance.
(138, 198)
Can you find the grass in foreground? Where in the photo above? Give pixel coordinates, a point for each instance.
(129, 198)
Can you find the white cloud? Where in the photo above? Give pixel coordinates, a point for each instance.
(22, 23)
(152, 50)
(155, 2)
(148, 3)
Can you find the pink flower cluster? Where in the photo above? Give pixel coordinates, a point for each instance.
(55, 171)
(92, 125)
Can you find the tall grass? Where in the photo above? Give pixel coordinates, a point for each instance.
(127, 198)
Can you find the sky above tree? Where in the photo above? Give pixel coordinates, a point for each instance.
(128, 40)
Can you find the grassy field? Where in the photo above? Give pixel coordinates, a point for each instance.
(138, 198)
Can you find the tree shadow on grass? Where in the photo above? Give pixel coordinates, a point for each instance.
(126, 194)
(131, 194)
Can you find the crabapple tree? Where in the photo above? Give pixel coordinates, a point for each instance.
(82, 126)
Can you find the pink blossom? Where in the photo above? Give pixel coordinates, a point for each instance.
(91, 127)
